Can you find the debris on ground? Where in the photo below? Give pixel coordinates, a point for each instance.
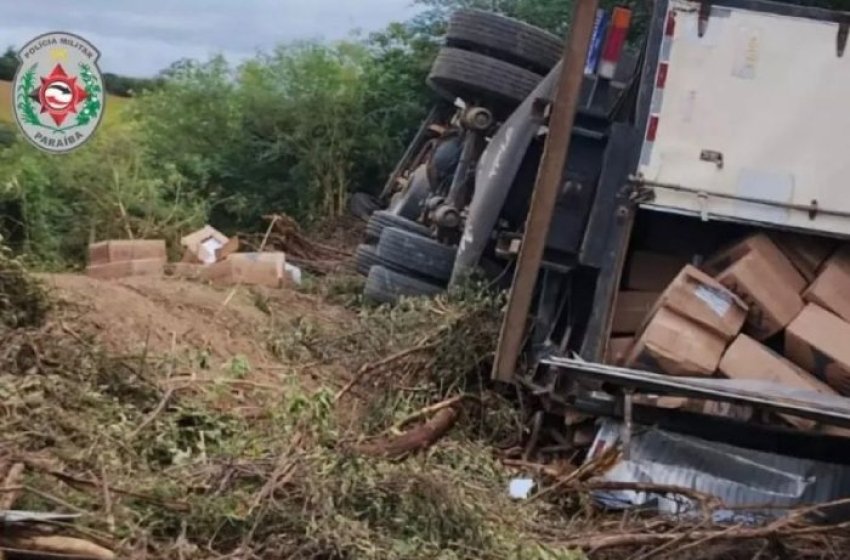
(284, 234)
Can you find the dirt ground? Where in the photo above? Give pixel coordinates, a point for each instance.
(131, 314)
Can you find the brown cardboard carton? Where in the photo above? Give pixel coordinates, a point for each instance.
(261, 269)
(227, 249)
(123, 269)
(618, 349)
(705, 301)
(831, 289)
(201, 246)
(652, 272)
(759, 243)
(747, 359)
(819, 342)
(121, 250)
(631, 311)
(806, 252)
(773, 302)
(677, 345)
(668, 402)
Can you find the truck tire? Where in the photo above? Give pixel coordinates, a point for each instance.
(386, 286)
(420, 255)
(382, 219)
(504, 38)
(480, 79)
(366, 256)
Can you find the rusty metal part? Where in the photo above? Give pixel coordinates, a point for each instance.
(546, 190)
(477, 118)
(446, 217)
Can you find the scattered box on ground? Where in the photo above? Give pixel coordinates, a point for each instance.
(675, 344)
(652, 272)
(121, 250)
(123, 269)
(631, 311)
(806, 252)
(831, 289)
(746, 358)
(207, 246)
(704, 301)
(769, 290)
(263, 269)
(819, 342)
(618, 350)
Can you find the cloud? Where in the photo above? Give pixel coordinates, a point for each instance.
(141, 37)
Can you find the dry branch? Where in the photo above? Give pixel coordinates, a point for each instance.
(55, 544)
(417, 439)
(12, 486)
(369, 368)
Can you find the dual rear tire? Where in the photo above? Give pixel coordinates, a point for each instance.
(404, 263)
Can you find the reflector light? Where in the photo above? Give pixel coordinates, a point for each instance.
(621, 19)
(661, 80)
(652, 129)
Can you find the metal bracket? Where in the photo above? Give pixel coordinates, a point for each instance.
(712, 156)
(841, 39)
(628, 424)
(704, 16)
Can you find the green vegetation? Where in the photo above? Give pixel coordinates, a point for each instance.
(186, 476)
(293, 130)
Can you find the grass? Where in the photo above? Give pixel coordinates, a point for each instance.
(113, 104)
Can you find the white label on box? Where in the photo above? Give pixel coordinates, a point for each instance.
(719, 302)
(207, 250)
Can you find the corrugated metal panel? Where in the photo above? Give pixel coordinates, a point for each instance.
(756, 484)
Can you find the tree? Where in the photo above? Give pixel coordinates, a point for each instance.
(8, 64)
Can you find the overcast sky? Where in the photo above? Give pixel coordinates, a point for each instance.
(141, 37)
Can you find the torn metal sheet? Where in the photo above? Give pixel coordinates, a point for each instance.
(751, 485)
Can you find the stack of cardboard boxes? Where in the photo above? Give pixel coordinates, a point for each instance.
(120, 258)
(771, 308)
(207, 255)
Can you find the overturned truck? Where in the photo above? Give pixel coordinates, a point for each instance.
(696, 271)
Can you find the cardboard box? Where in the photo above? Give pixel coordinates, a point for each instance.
(260, 269)
(773, 301)
(819, 342)
(123, 269)
(806, 252)
(831, 289)
(705, 301)
(748, 359)
(204, 246)
(631, 311)
(759, 243)
(652, 272)
(668, 402)
(618, 349)
(122, 250)
(677, 345)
